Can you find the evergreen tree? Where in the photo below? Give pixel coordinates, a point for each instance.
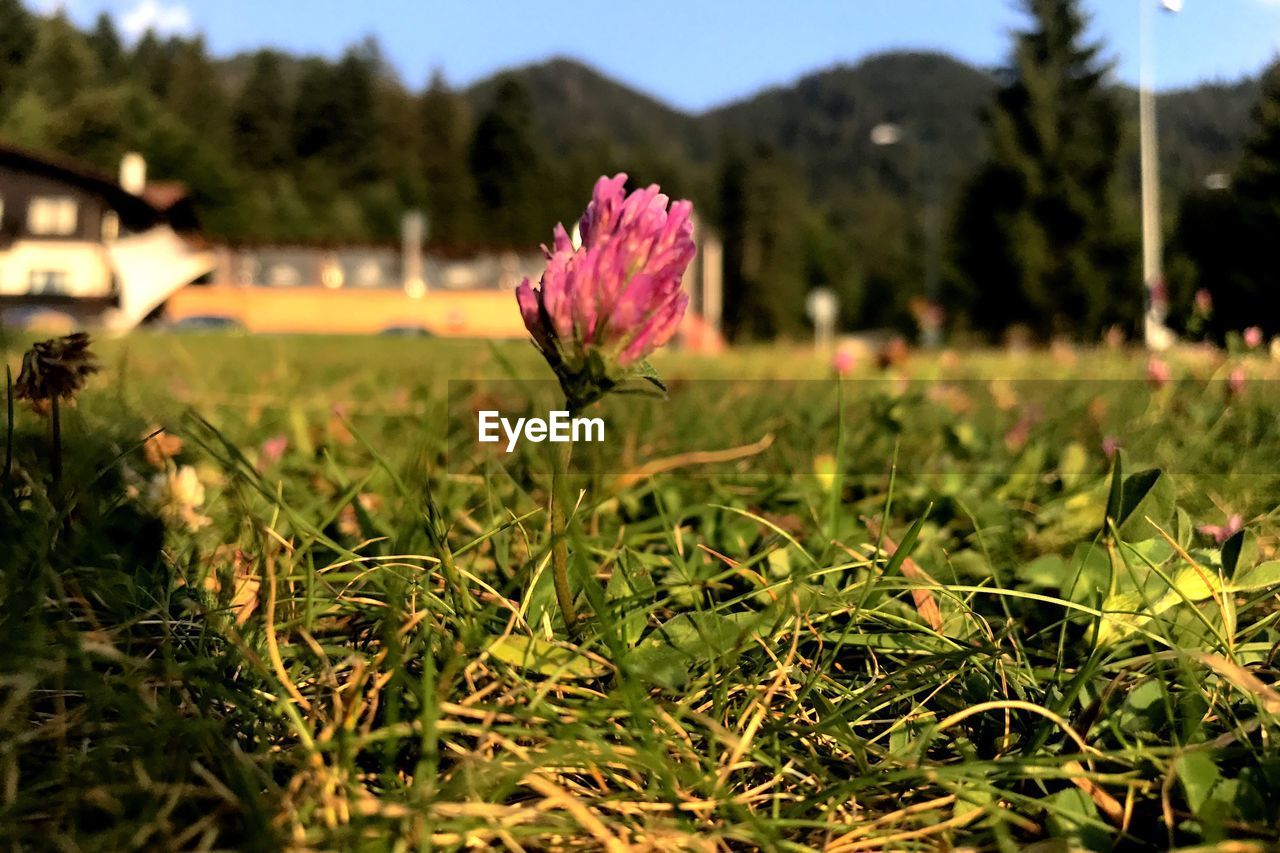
(151, 63)
(1229, 236)
(334, 117)
(196, 95)
(884, 260)
(733, 216)
(450, 194)
(260, 128)
(507, 168)
(105, 43)
(355, 80)
(1036, 239)
(775, 259)
(62, 65)
(769, 263)
(17, 36)
(397, 157)
(314, 122)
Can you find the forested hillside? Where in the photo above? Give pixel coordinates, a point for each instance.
(278, 147)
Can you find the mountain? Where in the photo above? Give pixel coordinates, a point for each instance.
(823, 123)
(1203, 129)
(576, 106)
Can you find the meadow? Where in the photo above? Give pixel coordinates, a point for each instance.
(281, 599)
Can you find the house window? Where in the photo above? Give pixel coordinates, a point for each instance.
(283, 275)
(52, 216)
(110, 226)
(48, 282)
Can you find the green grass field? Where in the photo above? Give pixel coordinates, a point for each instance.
(915, 610)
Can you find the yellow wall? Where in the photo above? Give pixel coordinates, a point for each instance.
(471, 314)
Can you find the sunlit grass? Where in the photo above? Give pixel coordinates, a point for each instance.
(362, 649)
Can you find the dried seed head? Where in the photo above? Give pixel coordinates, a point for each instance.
(54, 369)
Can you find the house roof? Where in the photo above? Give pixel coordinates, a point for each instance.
(156, 201)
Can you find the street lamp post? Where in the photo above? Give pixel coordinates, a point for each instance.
(888, 134)
(1156, 334)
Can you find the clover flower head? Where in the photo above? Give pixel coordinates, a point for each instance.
(1204, 302)
(177, 495)
(844, 361)
(1158, 373)
(1220, 533)
(602, 306)
(1253, 337)
(1236, 382)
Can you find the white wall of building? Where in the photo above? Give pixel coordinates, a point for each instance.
(74, 268)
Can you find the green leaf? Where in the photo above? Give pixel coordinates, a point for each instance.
(1143, 709)
(1073, 465)
(1192, 584)
(632, 588)
(644, 370)
(673, 652)
(1147, 494)
(544, 657)
(1231, 553)
(1185, 529)
(658, 664)
(709, 635)
(1089, 572)
(1156, 551)
(1074, 818)
(1198, 775)
(1044, 572)
(1125, 611)
(1130, 611)
(908, 542)
(1260, 577)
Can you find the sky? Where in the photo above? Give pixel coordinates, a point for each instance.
(694, 54)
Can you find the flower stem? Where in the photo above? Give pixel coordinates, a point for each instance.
(560, 500)
(8, 431)
(55, 441)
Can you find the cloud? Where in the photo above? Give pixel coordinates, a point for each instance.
(164, 19)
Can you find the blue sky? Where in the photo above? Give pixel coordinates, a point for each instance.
(696, 53)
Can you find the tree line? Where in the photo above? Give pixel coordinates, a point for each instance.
(1022, 212)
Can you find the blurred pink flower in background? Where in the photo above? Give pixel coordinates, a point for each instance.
(1110, 445)
(1222, 532)
(1236, 382)
(1204, 302)
(1020, 433)
(844, 362)
(1158, 372)
(619, 293)
(272, 451)
(1253, 337)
